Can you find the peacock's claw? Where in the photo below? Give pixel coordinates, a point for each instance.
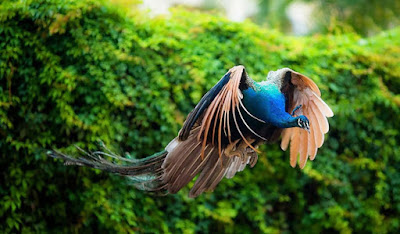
(239, 149)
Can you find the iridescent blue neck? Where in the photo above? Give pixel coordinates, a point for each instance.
(268, 103)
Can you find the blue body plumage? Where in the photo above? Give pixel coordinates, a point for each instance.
(268, 103)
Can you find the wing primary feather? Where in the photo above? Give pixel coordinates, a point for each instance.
(215, 121)
(285, 139)
(219, 138)
(207, 151)
(229, 127)
(294, 147)
(325, 109)
(303, 148)
(216, 179)
(318, 128)
(188, 172)
(224, 122)
(194, 172)
(311, 138)
(312, 157)
(171, 171)
(198, 186)
(225, 108)
(321, 118)
(208, 119)
(181, 177)
(205, 101)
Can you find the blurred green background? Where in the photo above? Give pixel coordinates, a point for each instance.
(74, 72)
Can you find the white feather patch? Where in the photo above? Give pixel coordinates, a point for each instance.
(172, 145)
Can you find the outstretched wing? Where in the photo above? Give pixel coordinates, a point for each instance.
(216, 107)
(198, 149)
(301, 90)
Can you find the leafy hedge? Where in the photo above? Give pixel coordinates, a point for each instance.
(73, 72)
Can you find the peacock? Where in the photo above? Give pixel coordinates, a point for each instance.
(221, 135)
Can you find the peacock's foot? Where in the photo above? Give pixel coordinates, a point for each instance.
(239, 149)
(296, 109)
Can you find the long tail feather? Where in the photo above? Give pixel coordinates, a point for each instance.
(145, 173)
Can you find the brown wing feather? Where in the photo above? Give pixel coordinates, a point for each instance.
(217, 168)
(312, 149)
(192, 153)
(303, 147)
(285, 139)
(302, 82)
(307, 94)
(227, 101)
(294, 145)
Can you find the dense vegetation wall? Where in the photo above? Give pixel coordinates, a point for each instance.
(74, 72)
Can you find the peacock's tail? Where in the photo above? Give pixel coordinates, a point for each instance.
(146, 174)
(170, 170)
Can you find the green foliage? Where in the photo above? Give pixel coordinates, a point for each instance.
(366, 17)
(73, 72)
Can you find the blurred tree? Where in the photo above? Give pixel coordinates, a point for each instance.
(366, 17)
(272, 13)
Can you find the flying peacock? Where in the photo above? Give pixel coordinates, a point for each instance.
(222, 133)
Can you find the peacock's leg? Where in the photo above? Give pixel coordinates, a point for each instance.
(230, 150)
(239, 150)
(243, 148)
(295, 109)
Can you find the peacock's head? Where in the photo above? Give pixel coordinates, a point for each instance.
(303, 122)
